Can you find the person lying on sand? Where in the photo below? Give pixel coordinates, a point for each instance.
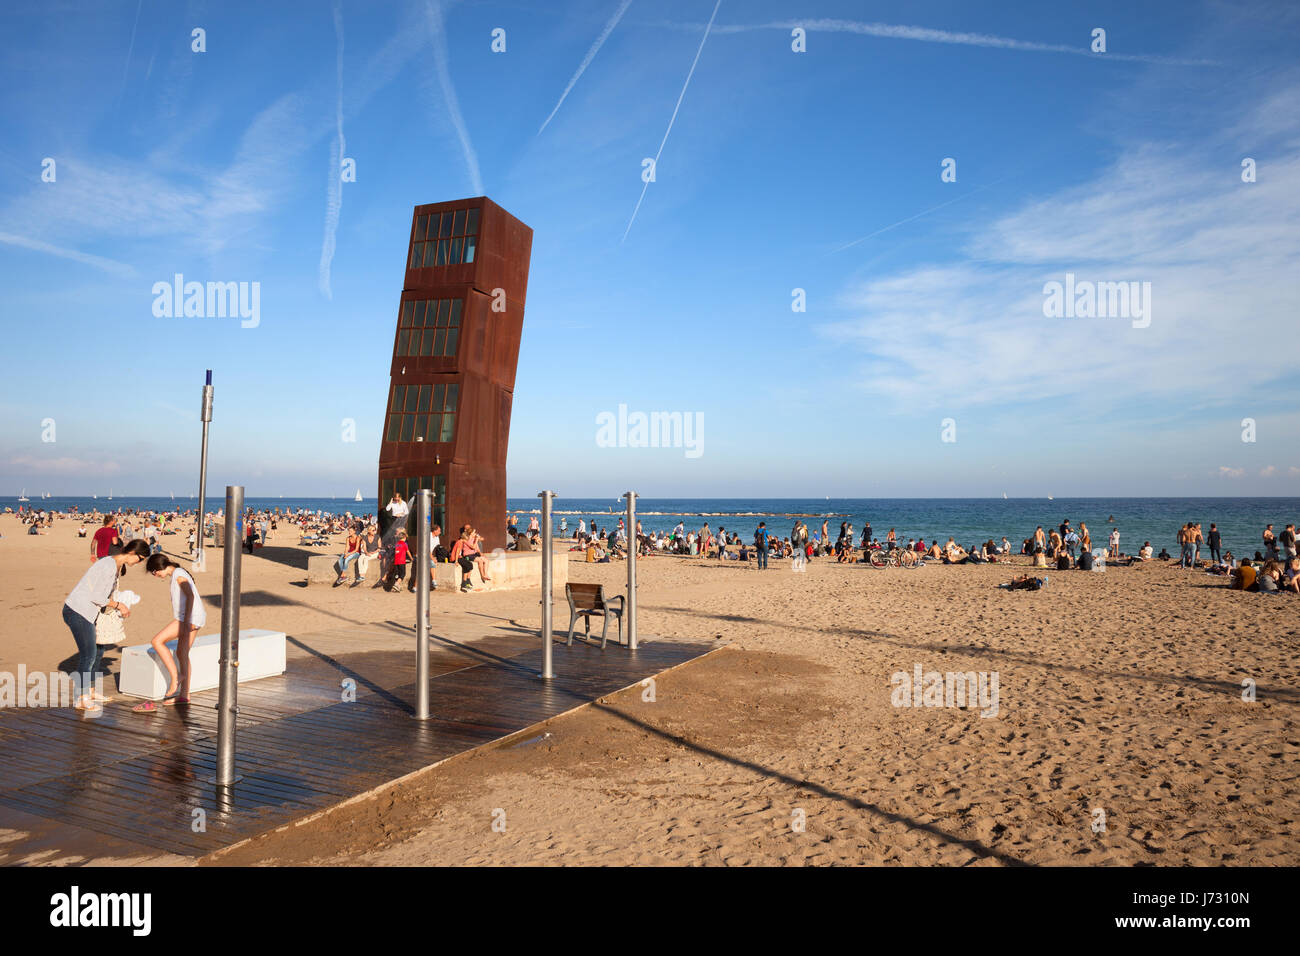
(1025, 583)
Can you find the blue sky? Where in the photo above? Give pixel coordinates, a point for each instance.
(817, 170)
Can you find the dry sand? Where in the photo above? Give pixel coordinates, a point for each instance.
(1119, 691)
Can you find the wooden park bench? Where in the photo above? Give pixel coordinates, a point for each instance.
(588, 599)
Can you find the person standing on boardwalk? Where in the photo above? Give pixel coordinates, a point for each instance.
(92, 595)
(188, 616)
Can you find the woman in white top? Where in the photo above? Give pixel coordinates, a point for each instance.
(93, 595)
(188, 616)
(397, 507)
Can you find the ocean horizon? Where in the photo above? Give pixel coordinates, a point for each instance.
(1241, 520)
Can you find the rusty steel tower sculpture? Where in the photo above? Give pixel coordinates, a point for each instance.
(454, 356)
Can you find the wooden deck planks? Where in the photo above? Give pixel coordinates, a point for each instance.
(300, 747)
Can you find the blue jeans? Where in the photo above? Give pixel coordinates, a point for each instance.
(762, 558)
(345, 560)
(1187, 560)
(83, 632)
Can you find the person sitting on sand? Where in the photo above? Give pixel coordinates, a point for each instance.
(935, 551)
(1291, 580)
(1269, 579)
(1243, 578)
(1144, 553)
(188, 616)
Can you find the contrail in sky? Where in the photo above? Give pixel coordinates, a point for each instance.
(591, 55)
(928, 35)
(449, 92)
(334, 195)
(646, 185)
(130, 46)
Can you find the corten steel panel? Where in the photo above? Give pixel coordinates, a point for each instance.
(473, 462)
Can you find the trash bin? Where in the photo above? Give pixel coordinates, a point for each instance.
(219, 534)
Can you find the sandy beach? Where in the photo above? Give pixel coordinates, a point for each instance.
(1118, 691)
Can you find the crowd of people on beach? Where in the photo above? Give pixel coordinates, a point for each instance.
(121, 539)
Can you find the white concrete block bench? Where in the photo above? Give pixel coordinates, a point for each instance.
(261, 654)
(324, 569)
(509, 571)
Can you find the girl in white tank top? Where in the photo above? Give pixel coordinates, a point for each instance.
(188, 616)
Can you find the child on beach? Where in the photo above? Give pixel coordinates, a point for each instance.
(400, 555)
(188, 616)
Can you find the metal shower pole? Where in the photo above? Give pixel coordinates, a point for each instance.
(548, 670)
(422, 538)
(632, 545)
(228, 695)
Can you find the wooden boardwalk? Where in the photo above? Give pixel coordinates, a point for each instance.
(300, 746)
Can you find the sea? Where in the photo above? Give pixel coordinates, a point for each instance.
(1241, 521)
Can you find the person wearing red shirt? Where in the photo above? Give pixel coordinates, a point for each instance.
(101, 544)
(400, 554)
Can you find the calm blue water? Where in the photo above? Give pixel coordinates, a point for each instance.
(1240, 520)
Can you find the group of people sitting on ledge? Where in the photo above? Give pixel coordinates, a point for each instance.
(365, 546)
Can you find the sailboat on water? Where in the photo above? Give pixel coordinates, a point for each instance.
(358, 497)
(22, 495)
(1004, 496)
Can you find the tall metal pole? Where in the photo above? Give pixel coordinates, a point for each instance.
(205, 413)
(548, 669)
(423, 511)
(632, 546)
(228, 695)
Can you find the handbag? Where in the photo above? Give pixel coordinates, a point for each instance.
(109, 627)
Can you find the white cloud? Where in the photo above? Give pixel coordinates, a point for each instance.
(1268, 472)
(64, 466)
(1226, 472)
(1220, 256)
